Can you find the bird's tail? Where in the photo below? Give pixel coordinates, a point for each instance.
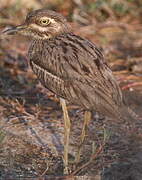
(127, 114)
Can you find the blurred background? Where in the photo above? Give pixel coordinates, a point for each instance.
(31, 133)
(115, 25)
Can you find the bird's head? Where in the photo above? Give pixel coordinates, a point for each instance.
(41, 24)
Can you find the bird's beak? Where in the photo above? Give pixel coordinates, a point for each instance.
(13, 30)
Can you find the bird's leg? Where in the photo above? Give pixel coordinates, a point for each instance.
(87, 118)
(67, 125)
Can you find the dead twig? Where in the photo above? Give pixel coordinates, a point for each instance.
(131, 85)
(93, 157)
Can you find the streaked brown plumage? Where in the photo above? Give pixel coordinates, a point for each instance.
(70, 66)
(73, 68)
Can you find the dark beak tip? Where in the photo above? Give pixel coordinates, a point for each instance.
(9, 31)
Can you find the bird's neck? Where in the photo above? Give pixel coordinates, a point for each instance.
(51, 40)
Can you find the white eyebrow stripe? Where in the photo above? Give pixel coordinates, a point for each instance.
(37, 27)
(50, 19)
(44, 29)
(40, 28)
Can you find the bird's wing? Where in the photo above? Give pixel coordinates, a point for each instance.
(75, 69)
(89, 75)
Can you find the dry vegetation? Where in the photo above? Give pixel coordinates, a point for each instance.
(31, 125)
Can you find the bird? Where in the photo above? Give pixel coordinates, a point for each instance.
(71, 67)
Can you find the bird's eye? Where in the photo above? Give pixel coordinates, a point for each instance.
(44, 22)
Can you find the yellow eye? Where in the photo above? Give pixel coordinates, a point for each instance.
(44, 22)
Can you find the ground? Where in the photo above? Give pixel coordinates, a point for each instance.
(31, 124)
